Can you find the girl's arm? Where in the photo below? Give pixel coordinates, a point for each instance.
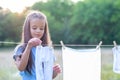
(23, 61)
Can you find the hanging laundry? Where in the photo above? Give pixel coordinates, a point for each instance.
(116, 59)
(44, 63)
(84, 64)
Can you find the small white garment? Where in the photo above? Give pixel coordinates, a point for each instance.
(116, 59)
(82, 64)
(44, 60)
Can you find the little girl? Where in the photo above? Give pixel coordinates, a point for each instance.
(35, 33)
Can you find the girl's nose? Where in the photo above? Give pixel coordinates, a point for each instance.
(38, 30)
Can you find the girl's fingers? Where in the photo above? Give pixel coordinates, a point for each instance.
(38, 41)
(57, 68)
(35, 41)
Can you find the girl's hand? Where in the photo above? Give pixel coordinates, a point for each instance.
(56, 70)
(34, 42)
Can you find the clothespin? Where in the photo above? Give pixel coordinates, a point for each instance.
(115, 44)
(99, 45)
(62, 44)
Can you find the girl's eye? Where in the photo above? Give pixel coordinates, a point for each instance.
(34, 28)
(41, 28)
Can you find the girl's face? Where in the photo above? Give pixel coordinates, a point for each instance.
(37, 27)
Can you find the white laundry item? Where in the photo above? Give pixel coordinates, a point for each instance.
(116, 59)
(44, 60)
(82, 64)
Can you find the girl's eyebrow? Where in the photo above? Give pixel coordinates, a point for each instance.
(42, 26)
(38, 26)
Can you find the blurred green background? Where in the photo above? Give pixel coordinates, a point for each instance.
(84, 22)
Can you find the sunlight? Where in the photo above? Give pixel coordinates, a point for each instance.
(16, 5)
(19, 5)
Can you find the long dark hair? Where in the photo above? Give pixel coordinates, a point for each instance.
(26, 34)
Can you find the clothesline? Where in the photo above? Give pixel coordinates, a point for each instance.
(5, 42)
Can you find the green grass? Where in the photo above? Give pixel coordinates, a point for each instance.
(8, 70)
(108, 74)
(9, 74)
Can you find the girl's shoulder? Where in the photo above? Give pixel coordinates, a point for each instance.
(18, 50)
(19, 47)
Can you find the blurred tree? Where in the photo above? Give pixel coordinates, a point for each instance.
(10, 26)
(95, 21)
(84, 22)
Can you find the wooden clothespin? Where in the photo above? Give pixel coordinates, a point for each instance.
(115, 44)
(62, 44)
(99, 45)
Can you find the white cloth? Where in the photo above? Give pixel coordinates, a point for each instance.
(82, 64)
(44, 60)
(116, 59)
